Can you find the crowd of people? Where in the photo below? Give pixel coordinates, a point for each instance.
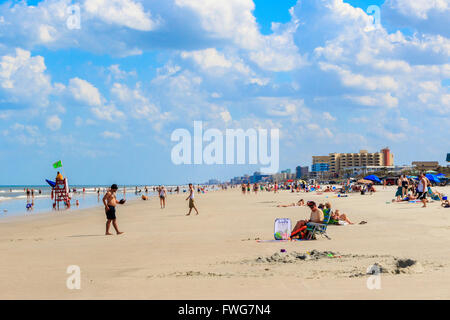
(409, 189)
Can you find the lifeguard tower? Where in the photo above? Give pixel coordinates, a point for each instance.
(61, 193)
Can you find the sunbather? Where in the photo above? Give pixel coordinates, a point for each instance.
(298, 204)
(336, 216)
(435, 195)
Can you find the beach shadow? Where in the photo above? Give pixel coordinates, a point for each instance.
(86, 235)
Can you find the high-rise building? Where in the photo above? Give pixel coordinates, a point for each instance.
(361, 161)
(320, 167)
(301, 172)
(388, 157)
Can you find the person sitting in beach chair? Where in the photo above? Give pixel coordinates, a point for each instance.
(304, 227)
(435, 195)
(314, 228)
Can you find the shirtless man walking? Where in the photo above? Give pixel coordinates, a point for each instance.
(110, 202)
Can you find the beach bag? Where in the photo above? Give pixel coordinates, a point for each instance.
(282, 229)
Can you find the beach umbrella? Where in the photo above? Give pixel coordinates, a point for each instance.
(433, 178)
(431, 171)
(372, 177)
(51, 183)
(440, 175)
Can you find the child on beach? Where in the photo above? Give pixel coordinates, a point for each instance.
(110, 202)
(191, 199)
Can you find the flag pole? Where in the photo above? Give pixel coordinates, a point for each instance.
(64, 174)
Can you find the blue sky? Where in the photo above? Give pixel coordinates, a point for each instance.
(105, 98)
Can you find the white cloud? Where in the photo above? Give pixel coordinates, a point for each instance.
(126, 13)
(327, 116)
(23, 78)
(109, 113)
(119, 74)
(111, 135)
(54, 123)
(85, 92)
(226, 116)
(138, 105)
(419, 8)
(25, 134)
(232, 19)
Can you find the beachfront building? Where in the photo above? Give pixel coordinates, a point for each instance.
(354, 163)
(426, 165)
(282, 177)
(301, 172)
(212, 182)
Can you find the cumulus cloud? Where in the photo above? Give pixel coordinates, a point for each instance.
(23, 79)
(126, 13)
(325, 62)
(54, 123)
(85, 92)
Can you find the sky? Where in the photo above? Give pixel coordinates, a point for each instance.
(105, 97)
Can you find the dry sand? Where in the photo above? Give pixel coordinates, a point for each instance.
(166, 255)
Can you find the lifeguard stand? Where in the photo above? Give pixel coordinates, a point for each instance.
(61, 193)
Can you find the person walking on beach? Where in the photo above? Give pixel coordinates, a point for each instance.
(191, 199)
(110, 202)
(422, 189)
(162, 197)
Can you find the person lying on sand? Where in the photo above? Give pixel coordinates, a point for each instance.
(337, 216)
(298, 204)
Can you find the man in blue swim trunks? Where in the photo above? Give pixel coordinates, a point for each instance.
(110, 202)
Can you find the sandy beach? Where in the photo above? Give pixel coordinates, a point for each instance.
(166, 255)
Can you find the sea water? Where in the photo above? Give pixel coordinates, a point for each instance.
(14, 200)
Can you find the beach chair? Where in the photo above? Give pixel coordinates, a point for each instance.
(433, 196)
(319, 228)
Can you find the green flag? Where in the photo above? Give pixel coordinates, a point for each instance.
(57, 164)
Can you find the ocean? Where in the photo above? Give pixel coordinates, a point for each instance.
(14, 200)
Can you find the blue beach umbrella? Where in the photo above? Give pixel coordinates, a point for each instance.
(433, 178)
(372, 177)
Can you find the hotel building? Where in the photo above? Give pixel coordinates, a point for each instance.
(363, 161)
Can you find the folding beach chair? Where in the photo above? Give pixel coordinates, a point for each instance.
(319, 228)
